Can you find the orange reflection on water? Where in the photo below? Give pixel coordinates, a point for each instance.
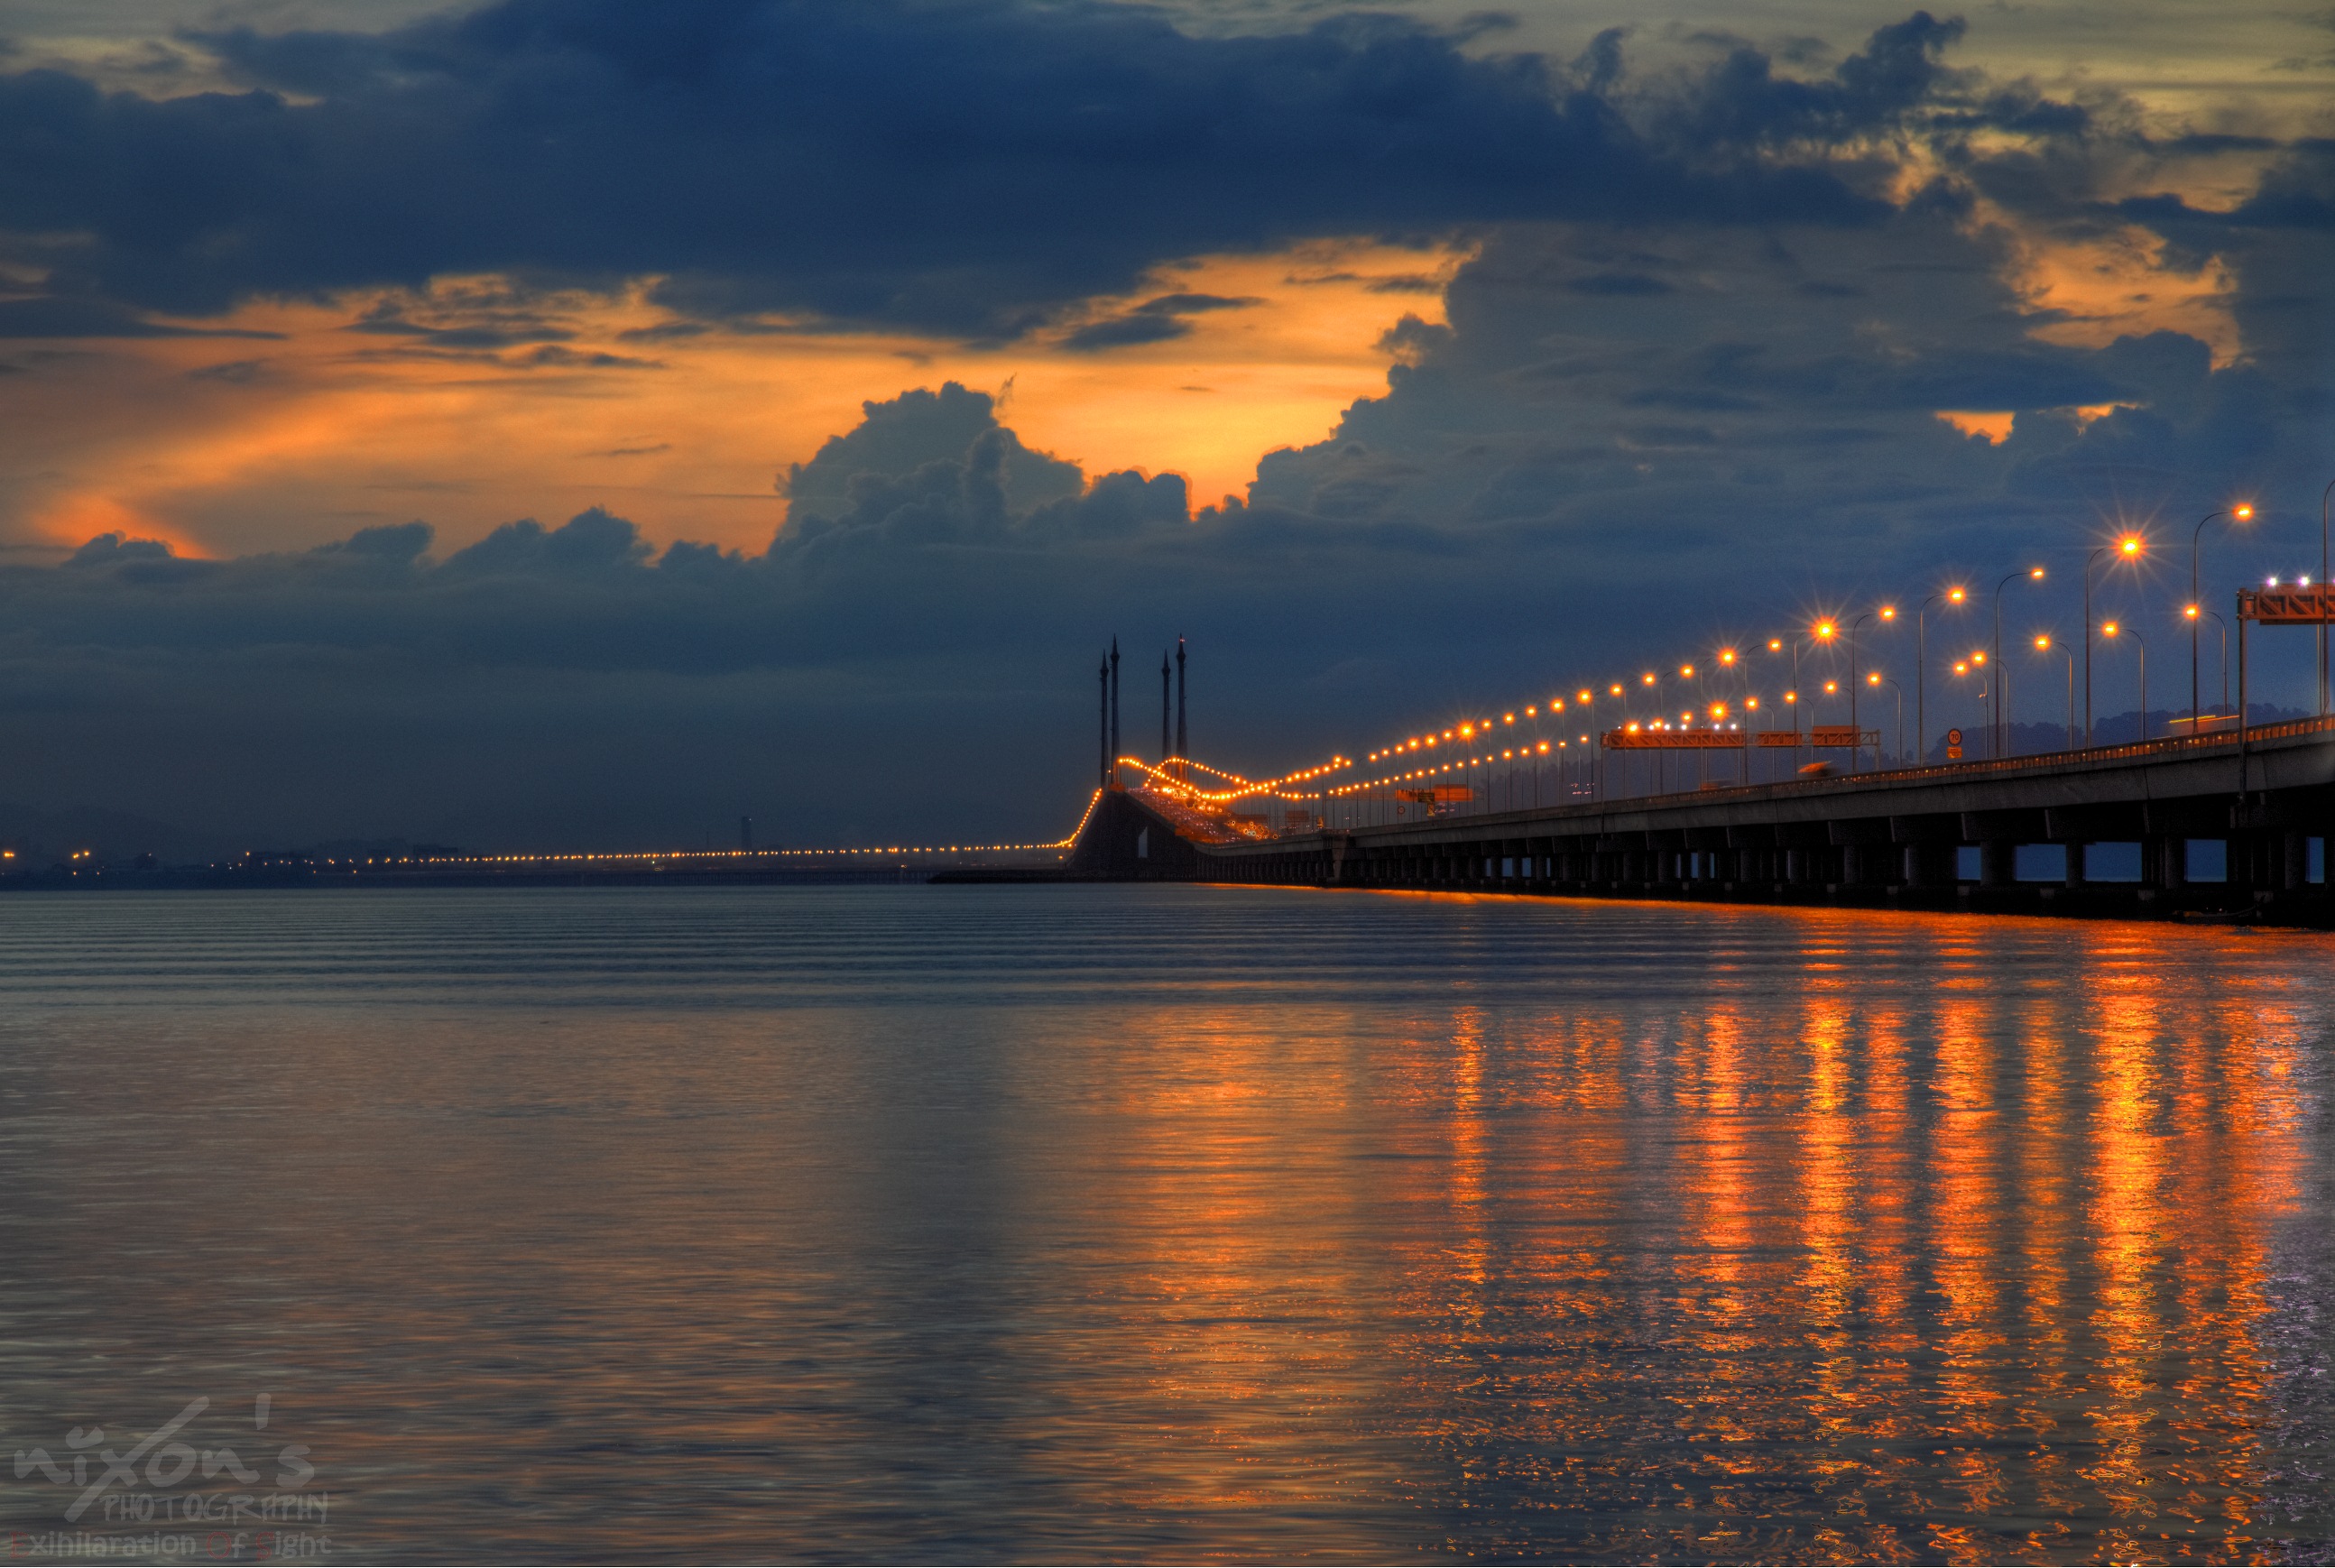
(1299, 1226)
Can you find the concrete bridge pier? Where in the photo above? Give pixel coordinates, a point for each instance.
(2165, 865)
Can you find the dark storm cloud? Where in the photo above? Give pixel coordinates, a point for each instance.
(969, 168)
(1813, 458)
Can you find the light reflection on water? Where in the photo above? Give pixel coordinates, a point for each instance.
(1179, 1223)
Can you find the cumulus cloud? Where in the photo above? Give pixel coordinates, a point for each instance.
(973, 170)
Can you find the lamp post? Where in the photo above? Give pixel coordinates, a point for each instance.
(1823, 632)
(1976, 661)
(2043, 646)
(2225, 656)
(1588, 700)
(1855, 749)
(2129, 547)
(2110, 629)
(1922, 664)
(1878, 678)
(2237, 514)
(2002, 679)
(2323, 590)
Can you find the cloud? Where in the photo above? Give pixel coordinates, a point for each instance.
(974, 171)
(63, 317)
(1154, 320)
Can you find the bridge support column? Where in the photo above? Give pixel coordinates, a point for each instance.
(2164, 863)
(2075, 866)
(1998, 863)
(2296, 869)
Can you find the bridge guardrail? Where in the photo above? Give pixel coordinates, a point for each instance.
(2230, 740)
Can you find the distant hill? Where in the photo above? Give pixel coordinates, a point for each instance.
(2113, 730)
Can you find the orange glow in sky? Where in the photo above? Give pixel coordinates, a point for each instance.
(233, 444)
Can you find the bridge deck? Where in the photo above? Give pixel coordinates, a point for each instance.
(1889, 836)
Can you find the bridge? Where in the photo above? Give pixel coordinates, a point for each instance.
(2229, 825)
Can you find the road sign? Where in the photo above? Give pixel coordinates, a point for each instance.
(1833, 735)
(2286, 606)
(1953, 745)
(1442, 794)
(1780, 738)
(1674, 739)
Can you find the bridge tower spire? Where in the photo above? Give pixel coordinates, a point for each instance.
(1111, 766)
(1166, 704)
(1183, 742)
(1102, 739)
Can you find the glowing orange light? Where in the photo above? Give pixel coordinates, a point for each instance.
(1955, 596)
(1775, 645)
(2043, 642)
(1726, 655)
(1888, 612)
(2242, 513)
(1824, 631)
(2129, 544)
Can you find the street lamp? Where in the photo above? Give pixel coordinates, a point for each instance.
(2225, 657)
(2237, 514)
(1853, 750)
(2043, 646)
(2323, 591)
(1875, 677)
(2002, 680)
(1954, 596)
(1975, 664)
(1823, 632)
(2110, 629)
(2125, 548)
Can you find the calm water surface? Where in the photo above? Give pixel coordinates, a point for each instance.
(1079, 1222)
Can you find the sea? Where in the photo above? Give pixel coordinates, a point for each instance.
(1156, 1223)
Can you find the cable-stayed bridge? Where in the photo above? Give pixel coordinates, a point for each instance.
(2223, 821)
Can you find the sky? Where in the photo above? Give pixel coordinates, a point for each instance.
(567, 423)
